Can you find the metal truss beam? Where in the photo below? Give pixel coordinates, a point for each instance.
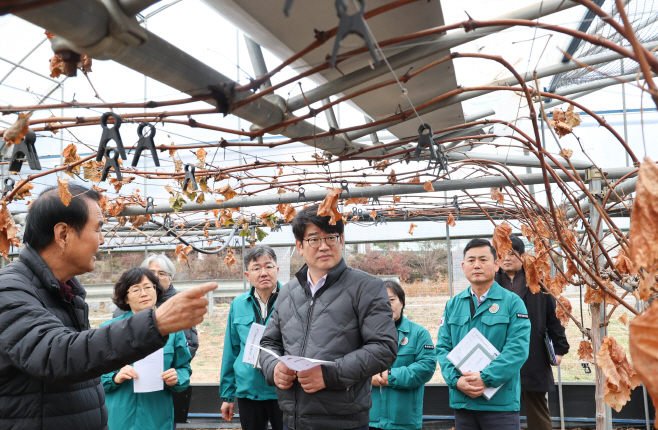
(85, 24)
(442, 43)
(541, 73)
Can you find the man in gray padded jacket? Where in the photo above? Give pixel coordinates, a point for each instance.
(330, 312)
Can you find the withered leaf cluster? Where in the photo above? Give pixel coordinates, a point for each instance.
(620, 376)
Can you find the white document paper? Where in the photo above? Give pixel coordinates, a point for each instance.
(149, 369)
(473, 354)
(250, 355)
(294, 362)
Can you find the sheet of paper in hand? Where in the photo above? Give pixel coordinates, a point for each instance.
(296, 363)
(473, 354)
(149, 369)
(251, 351)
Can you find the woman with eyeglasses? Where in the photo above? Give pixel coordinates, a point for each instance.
(136, 290)
(162, 267)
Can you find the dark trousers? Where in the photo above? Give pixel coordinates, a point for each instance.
(536, 409)
(285, 427)
(254, 414)
(466, 419)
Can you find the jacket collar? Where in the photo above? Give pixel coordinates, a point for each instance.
(332, 276)
(501, 275)
(171, 292)
(44, 273)
(252, 291)
(405, 325)
(495, 293)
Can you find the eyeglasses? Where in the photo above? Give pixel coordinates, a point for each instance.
(256, 270)
(315, 242)
(161, 274)
(136, 289)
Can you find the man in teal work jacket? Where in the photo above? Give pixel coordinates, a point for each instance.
(502, 318)
(257, 402)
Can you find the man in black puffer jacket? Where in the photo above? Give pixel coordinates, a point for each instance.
(330, 312)
(50, 362)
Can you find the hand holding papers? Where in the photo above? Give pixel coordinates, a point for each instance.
(149, 370)
(473, 354)
(294, 362)
(251, 350)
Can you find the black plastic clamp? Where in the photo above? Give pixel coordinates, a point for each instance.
(110, 134)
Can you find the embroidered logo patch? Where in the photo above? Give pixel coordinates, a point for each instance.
(522, 316)
(404, 341)
(441, 322)
(428, 346)
(494, 308)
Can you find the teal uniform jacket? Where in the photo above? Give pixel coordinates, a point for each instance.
(148, 411)
(503, 319)
(239, 379)
(400, 405)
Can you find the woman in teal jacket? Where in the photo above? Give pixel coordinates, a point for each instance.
(397, 395)
(136, 290)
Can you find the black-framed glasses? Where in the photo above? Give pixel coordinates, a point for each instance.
(315, 242)
(136, 289)
(269, 268)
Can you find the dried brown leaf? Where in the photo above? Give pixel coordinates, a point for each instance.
(497, 195)
(15, 133)
(392, 177)
(501, 240)
(56, 66)
(620, 375)
(8, 229)
(428, 186)
(24, 191)
(329, 206)
(644, 218)
(531, 273)
(289, 214)
(593, 296)
(64, 193)
(450, 221)
(415, 179)
(229, 260)
(623, 319)
(585, 351)
(227, 192)
(139, 220)
(411, 228)
(623, 264)
(643, 343)
(559, 312)
(572, 118)
(201, 155)
(566, 153)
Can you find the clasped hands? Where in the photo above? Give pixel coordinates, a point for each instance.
(471, 384)
(170, 377)
(311, 380)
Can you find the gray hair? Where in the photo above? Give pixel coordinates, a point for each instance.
(258, 251)
(164, 262)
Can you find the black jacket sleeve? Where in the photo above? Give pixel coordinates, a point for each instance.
(555, 329)
(36, 342)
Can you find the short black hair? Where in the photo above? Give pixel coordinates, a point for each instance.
(397, 290)
(48, 210)
(517, 244)
(477, 243)
(308, 216)
(258, 251)
(132, 277)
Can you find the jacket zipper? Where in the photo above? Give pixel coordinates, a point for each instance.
(308, 325)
